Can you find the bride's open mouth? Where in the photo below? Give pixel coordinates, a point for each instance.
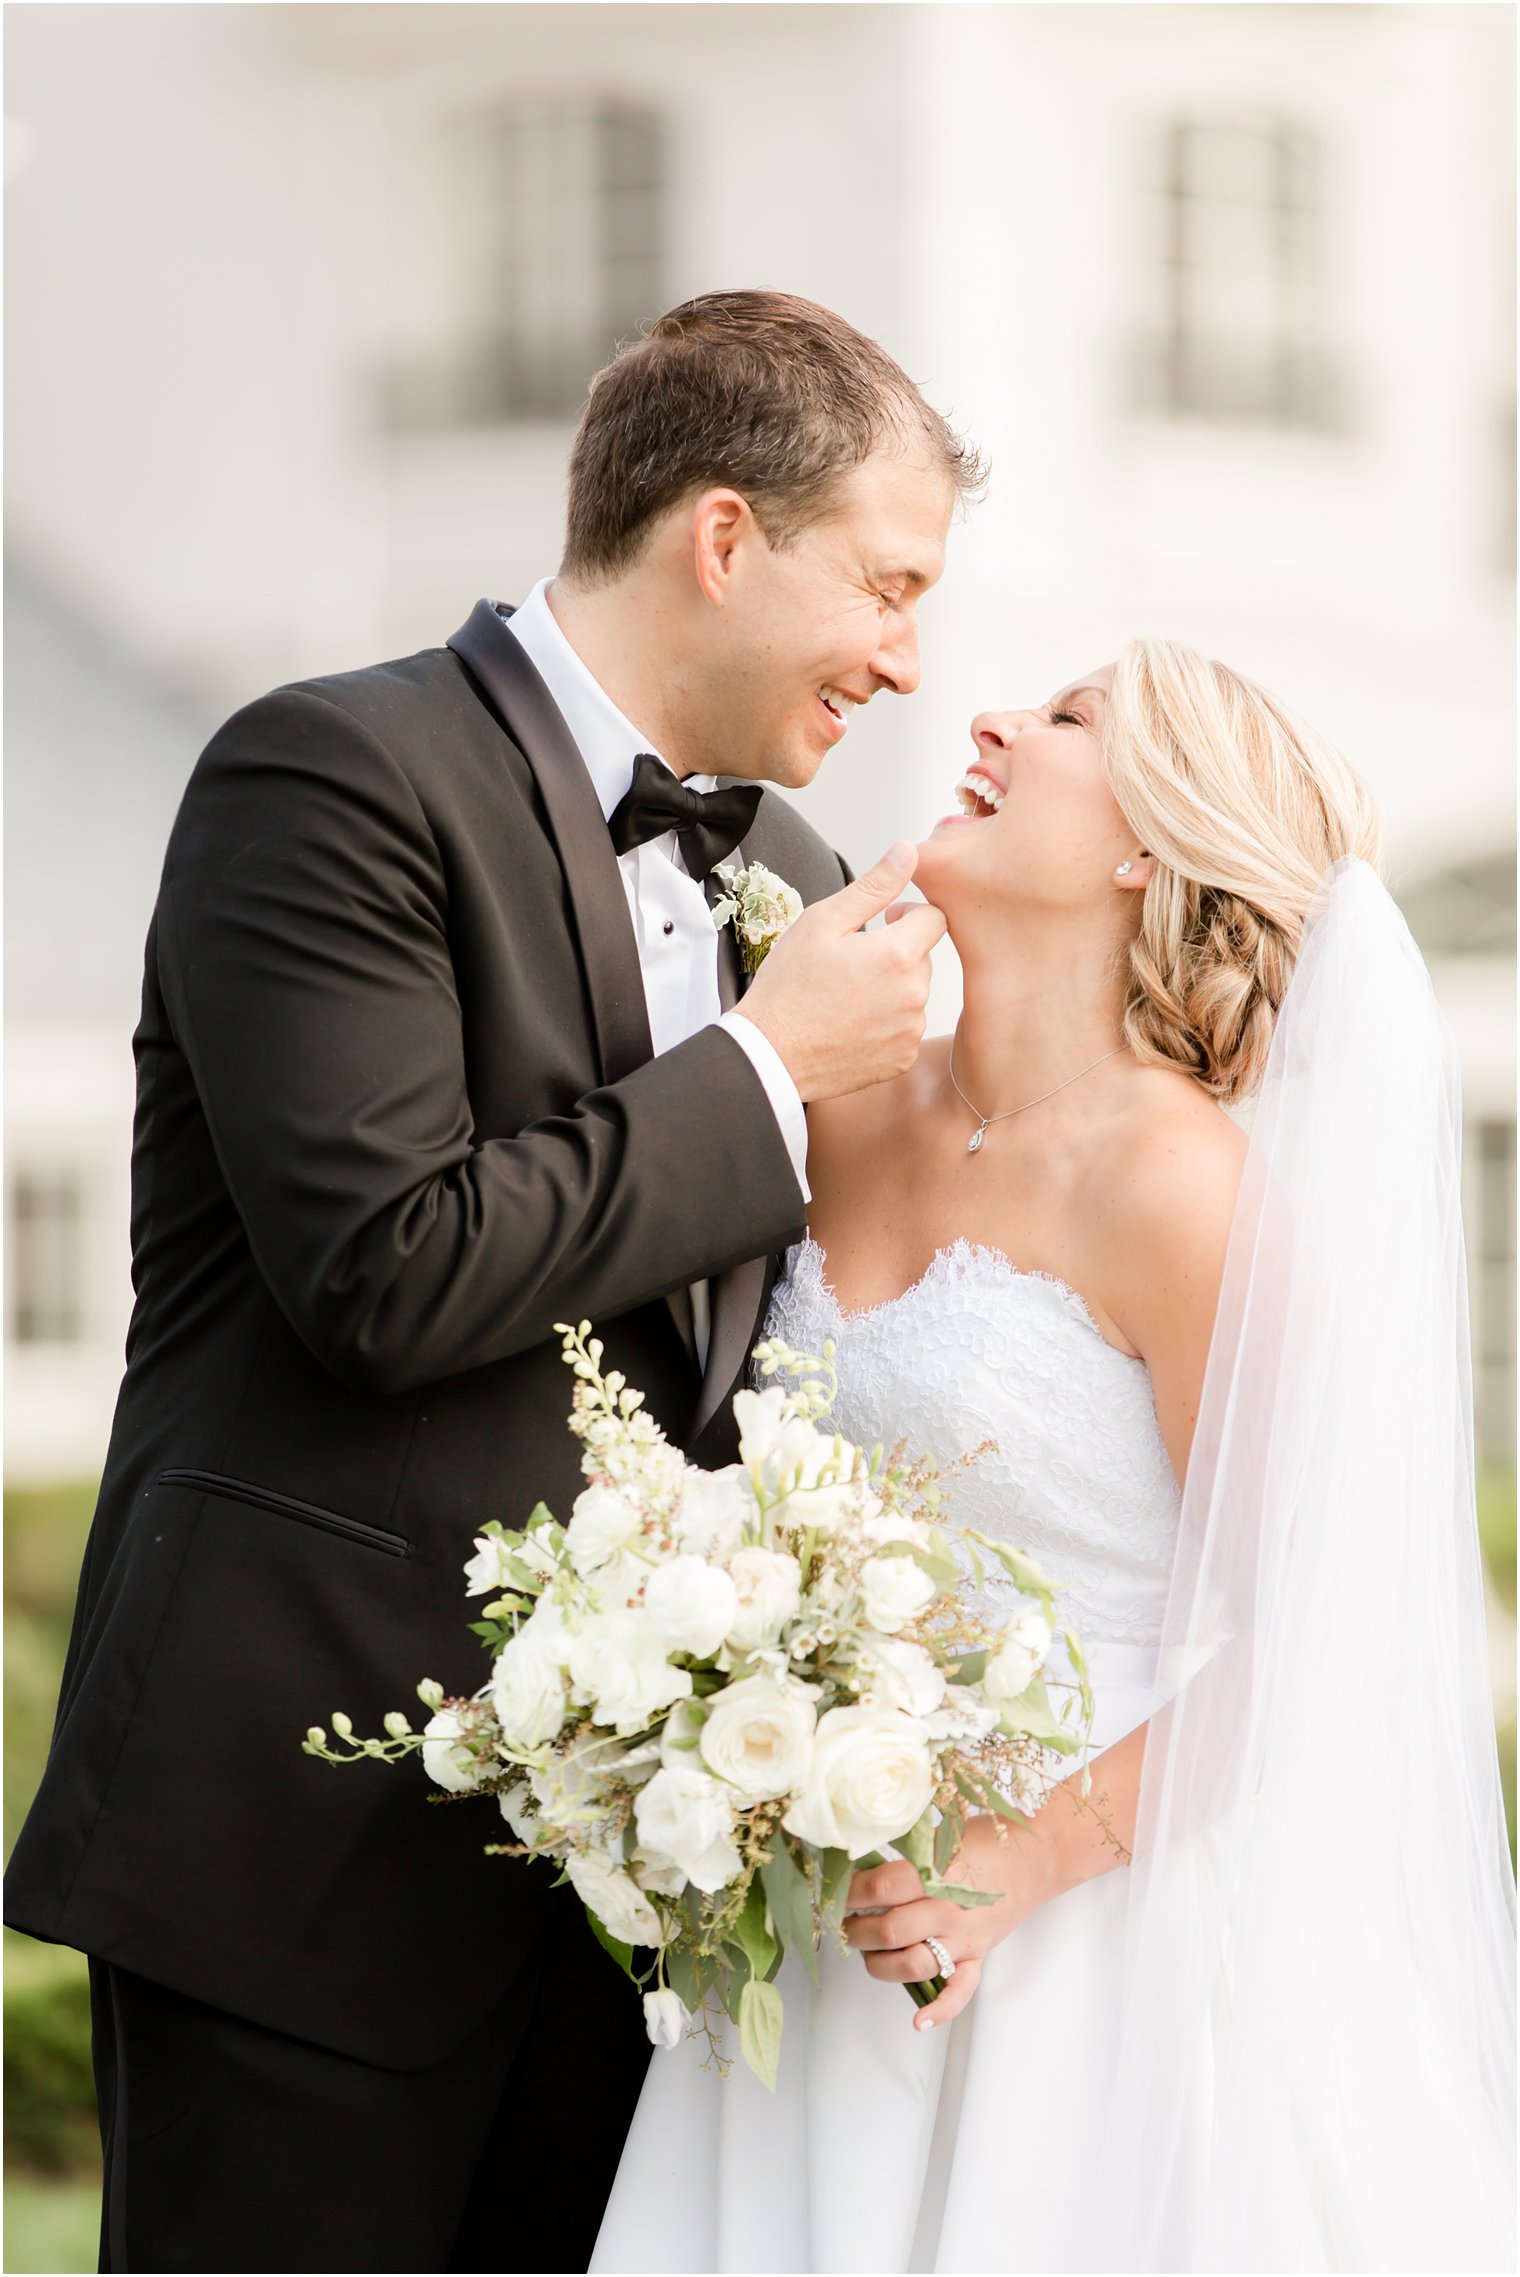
(979, 795)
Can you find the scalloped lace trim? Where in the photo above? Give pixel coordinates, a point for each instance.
(944, 1269)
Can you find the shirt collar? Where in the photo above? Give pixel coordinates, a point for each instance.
(607, 741)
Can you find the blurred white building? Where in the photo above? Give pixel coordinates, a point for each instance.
(303, 301)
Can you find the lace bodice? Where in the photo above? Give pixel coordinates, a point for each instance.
(977, 1349)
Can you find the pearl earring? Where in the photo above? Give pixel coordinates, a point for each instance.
(1124, 869)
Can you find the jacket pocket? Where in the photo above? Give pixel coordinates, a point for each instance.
(286, 1506)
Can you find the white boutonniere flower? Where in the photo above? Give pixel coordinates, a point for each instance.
(760, 906)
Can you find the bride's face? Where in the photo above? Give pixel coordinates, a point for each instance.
(1037, 820)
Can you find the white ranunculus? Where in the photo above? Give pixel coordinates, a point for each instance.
(758, 1736)
(602, 1522)
(686, 1816)
(907, 1677)
(665, 2017)
(692, 1604)
(881, 1525)
(960, 1715)
(520, 1812)
(652, 1870)
(873, 1778)
(620, 1670)
(769, 1586)
(1019, 1658)
(445, 1760)
(614, 1897)
(893, 1591)
(528, 1688)
(486, 1572)
(713, 1512)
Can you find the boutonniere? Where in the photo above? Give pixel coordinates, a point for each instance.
(760, 906)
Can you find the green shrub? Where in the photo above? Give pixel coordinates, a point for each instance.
(49, 2088)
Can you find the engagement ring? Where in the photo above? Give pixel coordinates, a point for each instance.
(946, 1965)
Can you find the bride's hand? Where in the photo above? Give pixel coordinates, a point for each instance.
(891, 1941)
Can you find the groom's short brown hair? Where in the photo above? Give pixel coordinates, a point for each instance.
(758, 392)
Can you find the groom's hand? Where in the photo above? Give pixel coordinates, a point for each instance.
(845, 1008)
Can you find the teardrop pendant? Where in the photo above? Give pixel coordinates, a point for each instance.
(974, 1142)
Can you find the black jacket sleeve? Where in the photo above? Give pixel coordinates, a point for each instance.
(305, 962)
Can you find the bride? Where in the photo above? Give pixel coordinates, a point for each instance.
(1243, 2004)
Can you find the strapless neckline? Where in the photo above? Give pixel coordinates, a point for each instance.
(947, 1264)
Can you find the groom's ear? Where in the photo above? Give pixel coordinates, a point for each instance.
(722, 524)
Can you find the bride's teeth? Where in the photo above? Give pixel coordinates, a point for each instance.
(974, 790)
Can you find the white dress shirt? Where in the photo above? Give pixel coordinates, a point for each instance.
(672, 921)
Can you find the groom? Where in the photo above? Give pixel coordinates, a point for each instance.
(439, 1046)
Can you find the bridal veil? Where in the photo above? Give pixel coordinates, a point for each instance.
(1317, 2061)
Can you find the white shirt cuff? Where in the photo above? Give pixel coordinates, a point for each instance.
(786, 1106)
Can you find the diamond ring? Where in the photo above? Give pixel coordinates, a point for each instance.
(946, 1965)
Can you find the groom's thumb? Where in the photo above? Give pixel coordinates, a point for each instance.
(860, 902)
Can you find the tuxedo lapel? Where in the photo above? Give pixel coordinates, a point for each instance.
(738, 1295)
(609, 952)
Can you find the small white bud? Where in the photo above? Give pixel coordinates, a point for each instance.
(396, 1724)
(430, 1692)
(342, 1725)
(316, 1736)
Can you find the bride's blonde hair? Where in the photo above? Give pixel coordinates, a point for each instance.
(1242, 808)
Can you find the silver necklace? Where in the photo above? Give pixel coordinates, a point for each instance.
(974, 1143)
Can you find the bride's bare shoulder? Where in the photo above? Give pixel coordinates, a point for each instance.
(1169, 1180)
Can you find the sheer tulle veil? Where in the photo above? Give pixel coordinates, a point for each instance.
(1318, 2054)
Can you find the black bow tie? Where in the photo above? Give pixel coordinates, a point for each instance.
(709, 824)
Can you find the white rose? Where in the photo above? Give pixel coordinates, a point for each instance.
(614, 1897)
(445, 1760)
(713, 1512)
(486, 1572)
(769, 1586)
(528, 1689)
(692, 1604)
(893, 1591)
(619, 1669)
(758, 1736)
(664, 2017)
(873, 1778)
(602, 1522)
(1018, 1659)
(517, 1808)
(687, 1817)
(907, 1677)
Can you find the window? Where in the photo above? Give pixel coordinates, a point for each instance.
(47, 1257)
(557, 236)
(1494, 1293)
(1234, 324)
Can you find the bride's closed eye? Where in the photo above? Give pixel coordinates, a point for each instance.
(1057, 717)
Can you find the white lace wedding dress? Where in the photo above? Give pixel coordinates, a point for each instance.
(966, 2148)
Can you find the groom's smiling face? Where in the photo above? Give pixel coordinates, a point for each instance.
(808, 633)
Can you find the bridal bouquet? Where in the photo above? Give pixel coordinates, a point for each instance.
(713, 1694)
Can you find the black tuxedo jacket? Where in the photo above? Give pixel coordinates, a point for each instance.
(397, 1115)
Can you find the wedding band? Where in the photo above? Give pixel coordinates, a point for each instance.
(946, 1965)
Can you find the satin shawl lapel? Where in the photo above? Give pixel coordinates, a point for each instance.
(609, 951)
(738, 1295)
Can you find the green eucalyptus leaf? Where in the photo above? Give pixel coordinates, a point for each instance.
(791, 1903)
(621, 1953)
(971, 1668)
(917, 1844)
(956, 1893)
(752, 1931)
(946, 1836)
(681, 1969)
(760, 2020)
